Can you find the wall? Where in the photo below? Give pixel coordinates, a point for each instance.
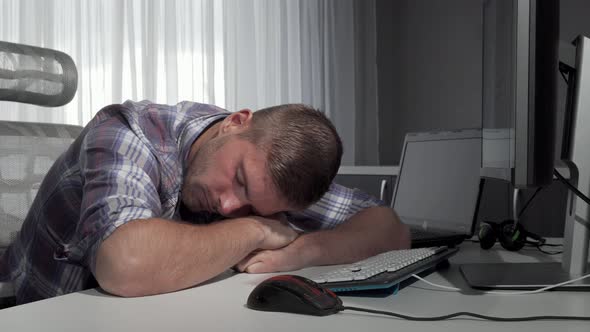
(429, 60)
(429, 68)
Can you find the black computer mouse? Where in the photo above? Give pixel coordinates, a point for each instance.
(294, 294)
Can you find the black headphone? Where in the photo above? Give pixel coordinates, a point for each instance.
(511, 236)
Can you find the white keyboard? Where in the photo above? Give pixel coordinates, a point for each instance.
(390, 261)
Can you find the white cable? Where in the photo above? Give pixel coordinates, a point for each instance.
(506, 293)
(436, 285)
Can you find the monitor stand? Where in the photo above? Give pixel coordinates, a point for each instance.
(525, 276)
(528, 276)
(576, 160)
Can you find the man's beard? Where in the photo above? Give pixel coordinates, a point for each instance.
(195, 194)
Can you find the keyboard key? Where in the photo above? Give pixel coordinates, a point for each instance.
(390, 261)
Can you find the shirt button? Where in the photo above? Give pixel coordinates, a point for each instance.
(60, 254)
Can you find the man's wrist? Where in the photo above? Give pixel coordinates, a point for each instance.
(254, 229)
(307, 248)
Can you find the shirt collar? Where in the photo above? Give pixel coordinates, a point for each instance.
(193, 130)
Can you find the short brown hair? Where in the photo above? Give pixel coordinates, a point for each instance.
(303, 147)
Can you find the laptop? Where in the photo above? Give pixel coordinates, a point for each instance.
(437, 195)
(438, 189)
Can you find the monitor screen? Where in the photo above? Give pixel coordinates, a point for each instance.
(438, 182)
(520, 88)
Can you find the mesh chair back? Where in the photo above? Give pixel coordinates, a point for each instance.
(27, 151)
(36, 75)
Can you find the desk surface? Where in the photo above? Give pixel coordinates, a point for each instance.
(219, 305)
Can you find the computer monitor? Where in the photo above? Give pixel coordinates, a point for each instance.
(521, 68)
(520, 71)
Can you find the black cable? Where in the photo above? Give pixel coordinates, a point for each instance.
(539, 245)
(561, 177)
(529, 202)
(549, 252)
(551, 245)
(564, 78)
(463, 313)
(535, 245)
(571, 187)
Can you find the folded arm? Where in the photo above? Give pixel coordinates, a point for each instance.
(120, 236)
(154, 256)
(367, 233)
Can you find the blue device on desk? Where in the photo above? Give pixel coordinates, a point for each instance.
(383, 274)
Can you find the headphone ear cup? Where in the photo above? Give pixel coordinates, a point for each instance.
(486, 235)
(512, 237)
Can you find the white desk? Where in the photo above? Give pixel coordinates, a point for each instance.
(220, 306)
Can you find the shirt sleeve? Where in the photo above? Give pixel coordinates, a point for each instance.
(333, 209)
(120, 184)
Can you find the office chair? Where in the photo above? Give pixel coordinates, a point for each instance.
(36, 76)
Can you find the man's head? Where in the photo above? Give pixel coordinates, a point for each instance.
(281, 158)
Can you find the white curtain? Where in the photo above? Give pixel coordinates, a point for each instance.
(232, 53)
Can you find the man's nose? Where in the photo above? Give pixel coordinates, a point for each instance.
(230, 206)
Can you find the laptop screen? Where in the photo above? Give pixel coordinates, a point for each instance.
(438, 183)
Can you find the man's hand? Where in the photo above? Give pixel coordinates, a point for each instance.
(275, 253)
(277, 232)
(264, 261)
(367, 233)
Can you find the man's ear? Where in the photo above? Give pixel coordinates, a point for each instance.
(235, 122)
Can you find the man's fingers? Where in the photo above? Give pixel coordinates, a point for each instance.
(248, 260)
(257, 267)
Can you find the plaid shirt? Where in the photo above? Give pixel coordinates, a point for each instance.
(127, 164)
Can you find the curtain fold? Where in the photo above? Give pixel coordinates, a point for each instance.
(232, 53)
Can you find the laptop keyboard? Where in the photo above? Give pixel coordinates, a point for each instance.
(390, 261)
(420, 233)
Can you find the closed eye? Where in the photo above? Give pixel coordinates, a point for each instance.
(241, 180)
